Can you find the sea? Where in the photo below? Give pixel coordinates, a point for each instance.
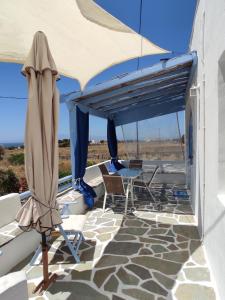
(7, 145)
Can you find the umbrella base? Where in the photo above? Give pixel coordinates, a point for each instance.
(44, 284)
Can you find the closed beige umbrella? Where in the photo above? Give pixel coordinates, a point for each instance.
(41, 142)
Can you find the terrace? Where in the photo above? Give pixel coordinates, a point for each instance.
(145, 255)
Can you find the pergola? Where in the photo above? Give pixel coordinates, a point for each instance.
(144, 94)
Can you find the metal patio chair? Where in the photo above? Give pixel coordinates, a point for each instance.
(71, 230)
(135, 164)
(114, 187)
(103, 169)
(146, 184)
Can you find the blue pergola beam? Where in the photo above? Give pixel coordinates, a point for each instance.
(145, 112)
(139, 76)
(122, 90)
(151, 104)
(150, 87)
(172, 91)
(139, 93)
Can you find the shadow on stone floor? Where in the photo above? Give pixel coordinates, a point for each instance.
(63, 256)
(145, 260)
(146, 255)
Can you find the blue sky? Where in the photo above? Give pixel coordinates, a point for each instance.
(166, 23)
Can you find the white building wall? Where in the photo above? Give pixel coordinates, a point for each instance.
(208, 181)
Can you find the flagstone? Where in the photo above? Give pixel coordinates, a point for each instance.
(134, 223)
(195, 291)
(188, 231)
(115, 297)
(101, 275)
(172, 247)
(181, 239)
(83, 275)
(177, 256)
(88, 227)
(197, 274)
(123, 248)
(80, 290)
(154, 287)
(111, 260)
(159, 248)
(157, 231)
(88, 254)
(183, 245)
(164, 280)
(125, 237)
(139, 271)
(164, 225)
(190, 264)
(164, 266)
(152, 241)
(105, 229)
(197, 252)
(147, 215)
(104, 237)
(164, 238)
(145, 251)
(158, 255)
(150, 222)
(112, 284)
(126, 277)
(170, 233)
(133, 230)
(102, 221)
(138, 294)
(187, 219)
(167, 220)
(30, 287)
(35, 272)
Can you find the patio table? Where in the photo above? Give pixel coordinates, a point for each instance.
(130, 175)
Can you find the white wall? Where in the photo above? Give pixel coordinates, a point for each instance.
(208, 189)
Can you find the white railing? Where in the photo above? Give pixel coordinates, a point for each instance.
(92, 172)
(65, 183)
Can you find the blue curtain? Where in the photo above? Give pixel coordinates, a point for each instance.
(80, 156)
(113, 148)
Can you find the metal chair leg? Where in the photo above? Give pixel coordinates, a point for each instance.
(104, 202)
(126, 201)
(69, 244)
(151, 195)
(132, 193)
(37, 252)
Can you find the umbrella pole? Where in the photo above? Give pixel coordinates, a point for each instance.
(48, 278)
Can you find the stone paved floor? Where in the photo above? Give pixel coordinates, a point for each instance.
(146, 256)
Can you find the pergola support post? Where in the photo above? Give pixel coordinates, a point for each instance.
(71, 106)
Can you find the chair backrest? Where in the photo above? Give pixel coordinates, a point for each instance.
(135, 164)
(103, 169)
(114, 184)
(153, 175)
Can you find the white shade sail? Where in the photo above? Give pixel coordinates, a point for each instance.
(83, 37)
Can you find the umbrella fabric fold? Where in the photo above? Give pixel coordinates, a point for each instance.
(41, 139)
